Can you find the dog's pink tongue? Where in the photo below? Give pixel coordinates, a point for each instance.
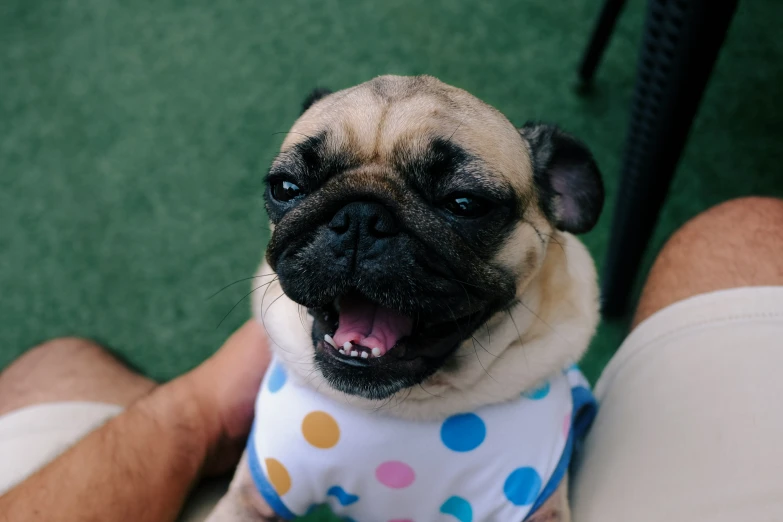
(364, 322)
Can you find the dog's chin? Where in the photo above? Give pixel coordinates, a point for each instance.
(362, 370)
(371, 379)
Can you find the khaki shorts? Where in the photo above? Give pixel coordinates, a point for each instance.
(690, 426)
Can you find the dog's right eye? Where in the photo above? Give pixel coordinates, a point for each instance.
(466, 206)
(285, 191)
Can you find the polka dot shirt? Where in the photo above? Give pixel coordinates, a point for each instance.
(500, 462)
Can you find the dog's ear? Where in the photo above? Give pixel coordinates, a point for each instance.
(566, 176)
(317, 94)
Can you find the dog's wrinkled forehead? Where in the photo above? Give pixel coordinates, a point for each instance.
(400, 122)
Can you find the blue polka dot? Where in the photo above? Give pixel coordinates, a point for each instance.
(463, 432)
(459, 508)
(277, 378)
(342, 496)
(522, 486)
(538, 393)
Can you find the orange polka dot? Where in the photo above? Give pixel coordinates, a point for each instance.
(278, 476)
(320, 430)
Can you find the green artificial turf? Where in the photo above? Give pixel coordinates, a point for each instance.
(134, 137)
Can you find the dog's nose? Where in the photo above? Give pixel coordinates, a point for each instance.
(359, 225)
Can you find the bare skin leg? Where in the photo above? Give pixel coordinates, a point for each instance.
(69, 369)
(738, 243)
(141, 464)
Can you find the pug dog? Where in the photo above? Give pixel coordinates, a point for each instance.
(426, 300)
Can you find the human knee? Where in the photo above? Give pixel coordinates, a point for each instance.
(746, 225)
(734, 244)
(68, 350)
(68, 369)
(57, 354)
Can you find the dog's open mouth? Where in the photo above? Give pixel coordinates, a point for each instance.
(365, 348)
(355, 328)
(366, 329)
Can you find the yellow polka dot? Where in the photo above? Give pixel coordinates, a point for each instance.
(278, 476)
(320, 429)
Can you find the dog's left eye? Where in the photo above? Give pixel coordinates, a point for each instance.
(285, 191)
(466, 206)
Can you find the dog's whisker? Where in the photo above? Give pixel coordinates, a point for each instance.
(482, 346)
(401, 399)
(429, 392)
(458, 126)
(475, 351)
(384, 404)
(519, 336)
(542, 235)
(555, 241)
(552, 328)
(456, 321)
(263, 318)
(302, 315)
(271, 304)
(292, 132)
(470, 306)
(243, 298)
(239, 281)
(489, 335)
(464, 282)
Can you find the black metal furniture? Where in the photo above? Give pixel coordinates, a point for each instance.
(679, 48)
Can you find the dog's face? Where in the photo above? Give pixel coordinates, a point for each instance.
(406, 213)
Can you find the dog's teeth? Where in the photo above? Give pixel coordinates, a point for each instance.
(376, 352)
(365, 355)
(347, 345)
(328, 339)
(354, 353)
(342, 351)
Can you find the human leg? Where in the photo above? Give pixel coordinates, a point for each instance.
(69, 369)
(736, 244)
(52, 396)
(689, 425)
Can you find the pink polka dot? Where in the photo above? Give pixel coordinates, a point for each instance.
(566, 425)
(395, 474)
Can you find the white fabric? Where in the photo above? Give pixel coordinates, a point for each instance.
(492, 463)
(691, 421)
(31, 437)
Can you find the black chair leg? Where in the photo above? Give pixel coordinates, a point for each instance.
(600, 37)
(681, 42)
